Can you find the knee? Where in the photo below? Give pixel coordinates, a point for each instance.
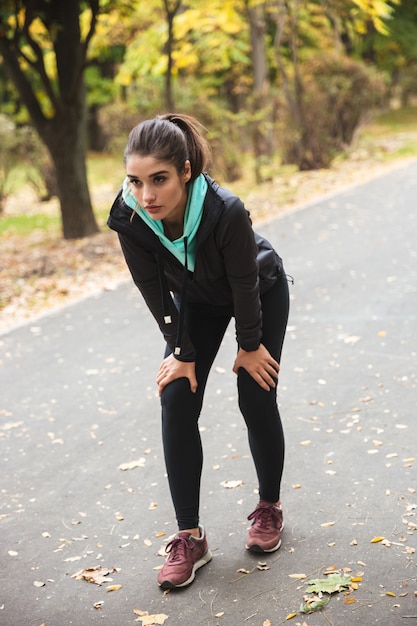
(253, 400)
(178, 401)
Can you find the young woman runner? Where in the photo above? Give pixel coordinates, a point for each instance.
(192, 252)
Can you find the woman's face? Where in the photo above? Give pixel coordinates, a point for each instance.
(158, 187)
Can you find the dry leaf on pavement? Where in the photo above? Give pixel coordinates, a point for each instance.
(97, 575)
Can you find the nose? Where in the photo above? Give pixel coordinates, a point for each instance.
(148, 194)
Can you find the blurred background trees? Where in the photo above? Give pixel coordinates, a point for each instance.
(292, 80)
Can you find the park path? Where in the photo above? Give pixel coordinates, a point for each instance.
(78, 402)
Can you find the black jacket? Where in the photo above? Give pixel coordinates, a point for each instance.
(233, 265)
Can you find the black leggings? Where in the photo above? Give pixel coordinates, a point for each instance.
(181, 408)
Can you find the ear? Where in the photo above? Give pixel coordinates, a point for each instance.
(187, 171)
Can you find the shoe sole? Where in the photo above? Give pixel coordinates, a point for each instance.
(258, 549)
(167, 584)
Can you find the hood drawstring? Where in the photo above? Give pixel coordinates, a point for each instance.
(183, 301)
(163, 285)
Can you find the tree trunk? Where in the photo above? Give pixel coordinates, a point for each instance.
(171, 9)
(77, 214)
(257, 27)
(169, 97)
(64, 132)
(66, 138)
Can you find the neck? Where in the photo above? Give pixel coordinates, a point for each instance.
(173, 230)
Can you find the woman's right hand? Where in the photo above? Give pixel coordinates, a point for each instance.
(172, 369)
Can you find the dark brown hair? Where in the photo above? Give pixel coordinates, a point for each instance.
(171, 138)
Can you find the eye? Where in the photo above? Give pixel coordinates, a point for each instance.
(159, 179)
(135, 182)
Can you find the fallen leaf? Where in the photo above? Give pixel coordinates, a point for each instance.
(314, 604)
(377, 539)
(113, 588)
(132, 465)
(231, 484)
(328, 524)
(98, 605)
(290, 616)
(219, 614)
(351, 340)
(38, 583)
(262, 566)
(297, 576)
(349, 600)
(331, 584)
(152, 620)
(97, 575)
(390, 593)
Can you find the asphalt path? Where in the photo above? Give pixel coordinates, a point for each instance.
(78, 401)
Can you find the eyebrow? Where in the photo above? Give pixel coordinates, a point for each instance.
(133, 176)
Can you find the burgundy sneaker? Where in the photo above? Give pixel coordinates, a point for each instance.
(186, 554)
(265, 532)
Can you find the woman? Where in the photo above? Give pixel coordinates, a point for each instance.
(192, 253)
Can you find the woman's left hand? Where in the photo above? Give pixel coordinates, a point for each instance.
(260, 365)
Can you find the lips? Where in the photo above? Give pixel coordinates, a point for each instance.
(152, 208)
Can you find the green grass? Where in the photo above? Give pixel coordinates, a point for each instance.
(104, 169)
(397, 120)
(26, 224)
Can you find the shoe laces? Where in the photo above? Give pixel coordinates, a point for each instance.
(264, 516)
(177, 548)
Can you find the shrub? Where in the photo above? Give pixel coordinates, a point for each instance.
(337, 95)
(9, 156)
(41, 173)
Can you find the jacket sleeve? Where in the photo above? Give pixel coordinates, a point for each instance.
(239, 252)
(143, 267)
